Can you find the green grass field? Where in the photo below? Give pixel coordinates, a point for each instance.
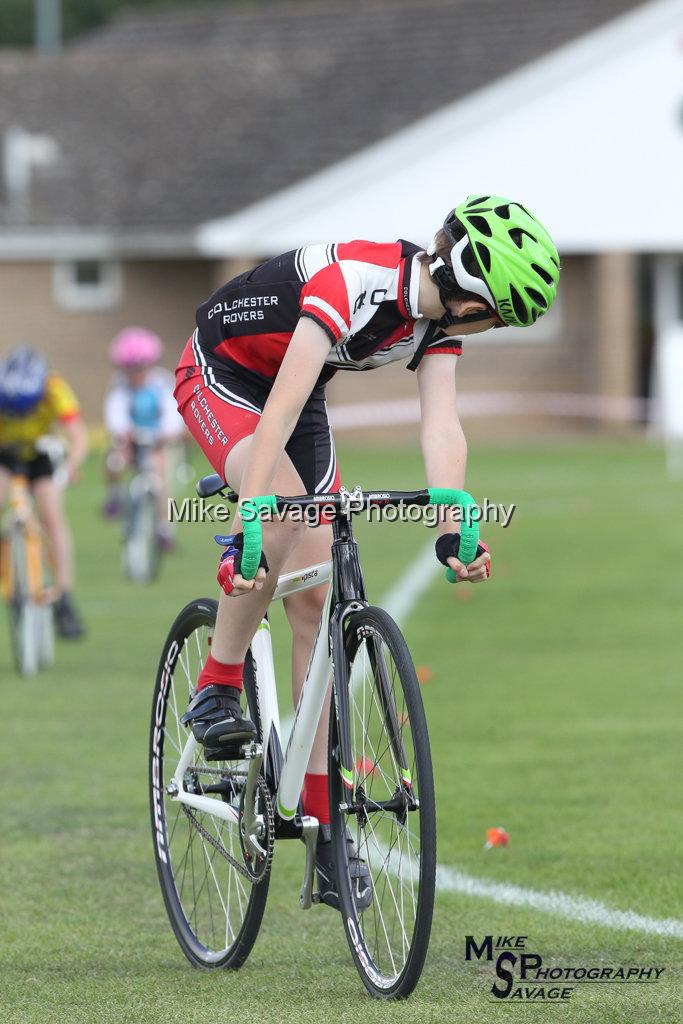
(554, 702)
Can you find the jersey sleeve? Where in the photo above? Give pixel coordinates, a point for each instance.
(326, 299)
(444, 344)
(117, 411)
(63, 402)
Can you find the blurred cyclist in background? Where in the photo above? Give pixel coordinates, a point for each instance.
(139, 404)
(33, 402)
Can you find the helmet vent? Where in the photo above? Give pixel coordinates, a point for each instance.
(481, 224)
(517, 236)
(503, 211)
(479, 201)
(543, 274)
(519, 306)
(536, 297)
(484, 256)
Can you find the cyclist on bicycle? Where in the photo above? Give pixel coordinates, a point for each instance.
(139, 404)
(250, 386)
(33, 402)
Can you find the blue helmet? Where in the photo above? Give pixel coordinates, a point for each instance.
(23, 378)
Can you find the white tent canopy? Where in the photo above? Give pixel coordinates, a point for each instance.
(590, 138)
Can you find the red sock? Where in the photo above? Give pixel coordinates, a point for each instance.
(316, 798)
(218, 673)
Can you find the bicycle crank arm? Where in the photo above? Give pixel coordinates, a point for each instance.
(251, 825)
(309, 838)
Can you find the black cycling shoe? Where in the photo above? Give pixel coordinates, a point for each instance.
(215, 717)
(67, 620)
(361, 879)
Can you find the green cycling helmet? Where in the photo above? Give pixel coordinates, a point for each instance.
(502, 253)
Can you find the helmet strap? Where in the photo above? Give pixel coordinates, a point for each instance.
(451, 320)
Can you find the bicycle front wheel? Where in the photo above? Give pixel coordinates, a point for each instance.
(24, 613)
(384, 801)
(215, 911)
(141, 552)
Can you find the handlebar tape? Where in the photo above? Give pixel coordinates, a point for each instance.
(253, 534)
(469, 527)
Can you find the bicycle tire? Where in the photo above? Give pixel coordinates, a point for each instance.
(395, 715)
(23, 613)
(46, 635)
(141, 551)
(197, 615)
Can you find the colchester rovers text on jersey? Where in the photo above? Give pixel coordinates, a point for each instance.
(363, 295)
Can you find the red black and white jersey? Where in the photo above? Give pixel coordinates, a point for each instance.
(363, 294)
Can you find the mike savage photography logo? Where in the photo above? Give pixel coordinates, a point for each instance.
(203, 510)
(523, 975)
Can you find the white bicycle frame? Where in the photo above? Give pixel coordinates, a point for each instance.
(308, 711)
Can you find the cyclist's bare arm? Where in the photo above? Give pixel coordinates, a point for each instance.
(444, 447)
(295, 380)
(76, 434)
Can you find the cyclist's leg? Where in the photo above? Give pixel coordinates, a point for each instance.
(238, 617)
(50, 506)
(303, 612)
(311, 448)
(215, 713)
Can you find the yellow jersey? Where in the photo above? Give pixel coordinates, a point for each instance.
(58, 405)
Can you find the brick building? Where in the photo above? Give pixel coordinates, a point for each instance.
(161, 154)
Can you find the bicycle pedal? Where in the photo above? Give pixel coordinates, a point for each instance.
(251, 750)
(236, 751)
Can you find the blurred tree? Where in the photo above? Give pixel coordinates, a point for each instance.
(17, 16)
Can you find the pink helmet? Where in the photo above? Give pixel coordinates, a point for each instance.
(135, 348)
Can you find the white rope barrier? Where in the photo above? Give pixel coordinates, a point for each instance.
(394, 412)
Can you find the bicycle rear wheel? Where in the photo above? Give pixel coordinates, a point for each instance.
(387, 806)
(215, 912)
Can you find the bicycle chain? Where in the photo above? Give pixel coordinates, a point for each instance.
(218, 846)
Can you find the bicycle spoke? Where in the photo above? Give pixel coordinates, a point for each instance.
(214, 900)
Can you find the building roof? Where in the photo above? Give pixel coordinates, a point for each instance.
(165, 120)
(590, 137)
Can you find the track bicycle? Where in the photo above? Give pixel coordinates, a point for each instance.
(24, 581)
(215, 823)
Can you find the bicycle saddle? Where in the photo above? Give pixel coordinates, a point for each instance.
(212, 484)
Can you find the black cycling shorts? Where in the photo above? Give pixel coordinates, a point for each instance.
(222, 403)
(34, 468)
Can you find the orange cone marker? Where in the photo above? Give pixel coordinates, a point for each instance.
(364, 766)
(496, 837)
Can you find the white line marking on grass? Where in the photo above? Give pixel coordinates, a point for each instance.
(561, 904)
(412, 584)
(399, 602)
